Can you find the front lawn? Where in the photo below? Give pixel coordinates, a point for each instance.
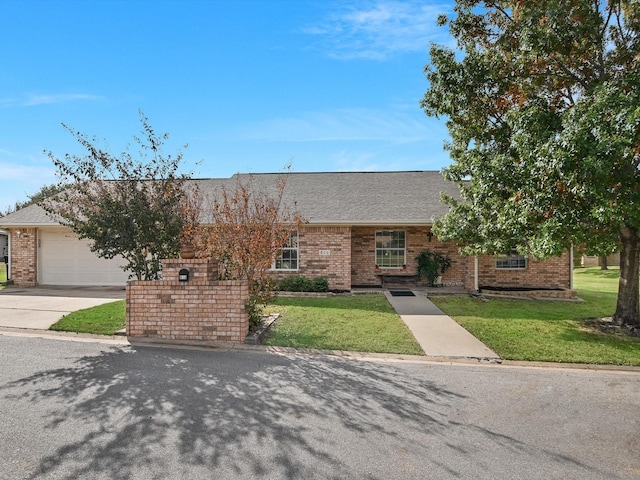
(549, 331)
(514, 329)
(3, 274)
(363, 323)
(104, 319)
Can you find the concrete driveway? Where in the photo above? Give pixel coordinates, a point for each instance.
(41, 307)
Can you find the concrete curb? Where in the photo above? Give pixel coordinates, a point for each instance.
(68, 336)
(363, 356)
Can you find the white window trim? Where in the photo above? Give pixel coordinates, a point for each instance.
(297, 250)
(404, 250)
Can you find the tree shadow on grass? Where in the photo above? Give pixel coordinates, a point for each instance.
(162, 413)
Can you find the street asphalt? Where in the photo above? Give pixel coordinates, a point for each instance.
(101, 410)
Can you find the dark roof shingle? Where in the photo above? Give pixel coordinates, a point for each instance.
(349, 198)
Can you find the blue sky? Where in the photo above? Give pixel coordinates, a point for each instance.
(249, 85)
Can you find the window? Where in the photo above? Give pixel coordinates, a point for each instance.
(511, 261)
(287, 259)
(391, 248)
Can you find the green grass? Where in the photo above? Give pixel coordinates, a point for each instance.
(549, 331)
(515, 329)
(3, 274)
(104, 319)
(364, 323)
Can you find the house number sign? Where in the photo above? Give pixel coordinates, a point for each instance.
(324, 253)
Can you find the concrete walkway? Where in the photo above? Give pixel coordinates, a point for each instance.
(438, 334)
(41, 307)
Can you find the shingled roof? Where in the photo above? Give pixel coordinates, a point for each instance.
(327, 198)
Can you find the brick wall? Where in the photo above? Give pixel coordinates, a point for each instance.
(363, 263)
(24, 257)
(554, 272)
(323, 252)
(202, 309)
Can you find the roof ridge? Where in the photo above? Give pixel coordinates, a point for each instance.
(333, 172)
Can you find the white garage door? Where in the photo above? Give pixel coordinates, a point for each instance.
(66, 260)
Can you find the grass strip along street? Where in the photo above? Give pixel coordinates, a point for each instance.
(104, 319)
(515, 329)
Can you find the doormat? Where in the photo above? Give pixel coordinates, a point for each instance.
(401, 293)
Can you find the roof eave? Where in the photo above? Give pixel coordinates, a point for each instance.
(325, 223)
(30, 225)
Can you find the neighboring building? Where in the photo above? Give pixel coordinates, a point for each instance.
(360, 225)
(595, 261)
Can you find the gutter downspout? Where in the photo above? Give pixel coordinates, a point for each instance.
(571, 266)
(475, 273)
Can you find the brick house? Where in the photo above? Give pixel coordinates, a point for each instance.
(360, 226)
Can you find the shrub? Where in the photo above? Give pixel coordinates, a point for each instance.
(320, 284)
(303, 284)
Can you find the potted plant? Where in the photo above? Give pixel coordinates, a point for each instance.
(432, 265)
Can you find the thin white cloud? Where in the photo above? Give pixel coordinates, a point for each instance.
(58, 98)
(355, 161)
(19, 181)
(380, 29)
(47, 99)
(36, 174)
(340, 125)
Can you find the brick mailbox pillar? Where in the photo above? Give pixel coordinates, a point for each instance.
(199, 309)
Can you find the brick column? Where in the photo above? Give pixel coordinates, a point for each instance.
(24, 256)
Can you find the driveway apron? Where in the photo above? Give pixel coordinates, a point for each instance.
(41, 307)
(438, 334)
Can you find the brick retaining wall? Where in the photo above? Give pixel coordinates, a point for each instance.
(203, 309)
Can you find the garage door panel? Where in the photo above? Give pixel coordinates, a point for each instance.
(67, 260)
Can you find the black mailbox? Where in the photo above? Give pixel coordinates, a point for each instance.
(183, 275)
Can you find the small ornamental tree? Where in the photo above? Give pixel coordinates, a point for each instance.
(131, 207)
(249, 225)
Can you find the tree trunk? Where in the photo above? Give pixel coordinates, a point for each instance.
(627, 307)
(603, 263)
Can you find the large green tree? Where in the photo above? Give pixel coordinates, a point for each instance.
(542, 101)
(131, 206)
